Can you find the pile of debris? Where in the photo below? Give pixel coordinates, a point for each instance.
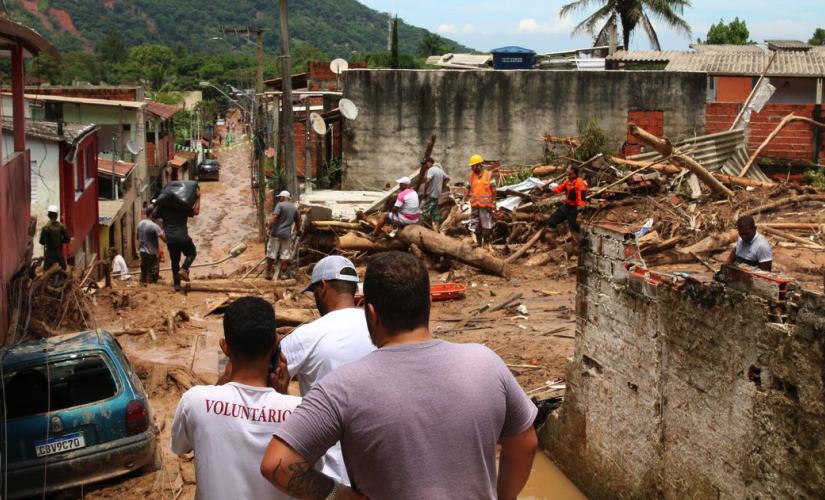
(680, 208)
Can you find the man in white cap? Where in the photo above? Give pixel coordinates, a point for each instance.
(339, 337)
(405, 211)
(279, 233)
(53, 236)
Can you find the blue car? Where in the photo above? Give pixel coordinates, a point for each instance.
(75, 413)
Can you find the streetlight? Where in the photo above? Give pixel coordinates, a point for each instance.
(207, 84)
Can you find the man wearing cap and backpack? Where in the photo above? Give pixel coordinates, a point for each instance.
(279, 233)
(405, 212)
(53, 236)
(339, 337)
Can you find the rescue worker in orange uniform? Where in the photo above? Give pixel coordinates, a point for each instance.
(481, 192)
(575, 190)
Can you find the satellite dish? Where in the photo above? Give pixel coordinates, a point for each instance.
(348, 109)
(338, 66)
(133, 147)
(318, 124)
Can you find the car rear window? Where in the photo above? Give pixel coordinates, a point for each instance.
(69, 382)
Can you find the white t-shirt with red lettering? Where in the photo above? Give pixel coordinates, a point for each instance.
(229, 427)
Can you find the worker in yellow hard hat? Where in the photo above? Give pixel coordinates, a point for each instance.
(481, 191)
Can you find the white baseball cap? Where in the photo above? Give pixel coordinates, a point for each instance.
(329, 268)
(403, 180)
(284, 194)
(52, 209)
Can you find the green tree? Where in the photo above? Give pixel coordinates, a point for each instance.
(818, 38)
(629, 15)
(46, 68)
(150, 56)
(304, 53)
(113, 48)
(432, 45)
(394, 45)
(733, 33)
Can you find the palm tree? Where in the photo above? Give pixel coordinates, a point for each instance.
(630, 14)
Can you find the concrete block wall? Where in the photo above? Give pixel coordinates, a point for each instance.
(794, 143)
(690, 389)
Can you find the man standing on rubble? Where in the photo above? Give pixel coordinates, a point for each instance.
(53, 236)
(229, 425)
(575, 197)
(149, 234)
(420, 417)
(279, 233)
(175, 224)
(405, 211)
(436, 179)
(338, 338)
(481, 191)
(751, 248)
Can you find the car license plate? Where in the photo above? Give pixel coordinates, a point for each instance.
(59, 444)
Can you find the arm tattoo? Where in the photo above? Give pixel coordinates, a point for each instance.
(305, 482)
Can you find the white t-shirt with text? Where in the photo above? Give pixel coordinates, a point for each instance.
(229, 427)
(315, 349)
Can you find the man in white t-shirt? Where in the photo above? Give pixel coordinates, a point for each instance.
(119, 268)
(229, 425)
(405, 211)
(751, 248)
(339, 337)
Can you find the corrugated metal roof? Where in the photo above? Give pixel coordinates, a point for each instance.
(751, 64)
(721, 152)
(48, 130)
(787, 45)
(122, 168)
(703, 47)
(645, 55)
(163, 111)
(460, 60)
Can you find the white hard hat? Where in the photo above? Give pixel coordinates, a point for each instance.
(403, 180)
(284, 194)
(52, 209)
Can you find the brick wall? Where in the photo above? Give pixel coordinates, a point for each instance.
(692, 389)
(794, 143)
(652, 121)
(321, 77)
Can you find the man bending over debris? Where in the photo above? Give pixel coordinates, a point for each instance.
(436, 180)
(229, 425)
(421, 416)
(405, 211)
(279, 231)
(339, 337)
(574, 200)
(481, 191)
(751, 248)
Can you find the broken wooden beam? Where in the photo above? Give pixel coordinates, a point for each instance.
(524, 247)
(665, 149)
(785, 121)
(784, 202)
(790, 237)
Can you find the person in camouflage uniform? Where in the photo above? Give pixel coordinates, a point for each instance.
(53, 236)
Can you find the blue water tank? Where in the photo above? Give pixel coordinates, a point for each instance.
(513, 57)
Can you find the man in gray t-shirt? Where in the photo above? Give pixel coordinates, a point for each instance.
(751, 248)
(418, 418)
(436, 178)
(279, 233)
(148, 234)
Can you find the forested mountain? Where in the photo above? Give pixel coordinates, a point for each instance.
(337, 27)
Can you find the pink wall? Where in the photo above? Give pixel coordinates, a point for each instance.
(15, 212)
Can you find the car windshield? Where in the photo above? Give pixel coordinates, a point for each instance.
(75, 381)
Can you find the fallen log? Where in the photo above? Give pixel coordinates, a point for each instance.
(785, 121)
(437, 243)
(330, 224)
(712, 243)
(794, 225)
(295, 317)
(664, 167)
(524, 247)
(742, 182)
(653, 249)
(428, 152)
(360, 243)
(791, 237)
(543, 170)
(665, 148)
(784, 202)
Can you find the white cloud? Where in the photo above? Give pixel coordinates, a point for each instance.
(530, 25)
(452, 29)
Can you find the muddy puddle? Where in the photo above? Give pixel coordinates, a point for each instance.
(547, 482)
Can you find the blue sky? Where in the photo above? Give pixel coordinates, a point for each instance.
(487, 24)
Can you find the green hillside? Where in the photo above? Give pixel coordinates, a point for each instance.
(337, 27)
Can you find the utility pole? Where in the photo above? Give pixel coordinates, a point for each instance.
(289, 125)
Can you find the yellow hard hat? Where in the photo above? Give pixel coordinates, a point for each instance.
(476, 159)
